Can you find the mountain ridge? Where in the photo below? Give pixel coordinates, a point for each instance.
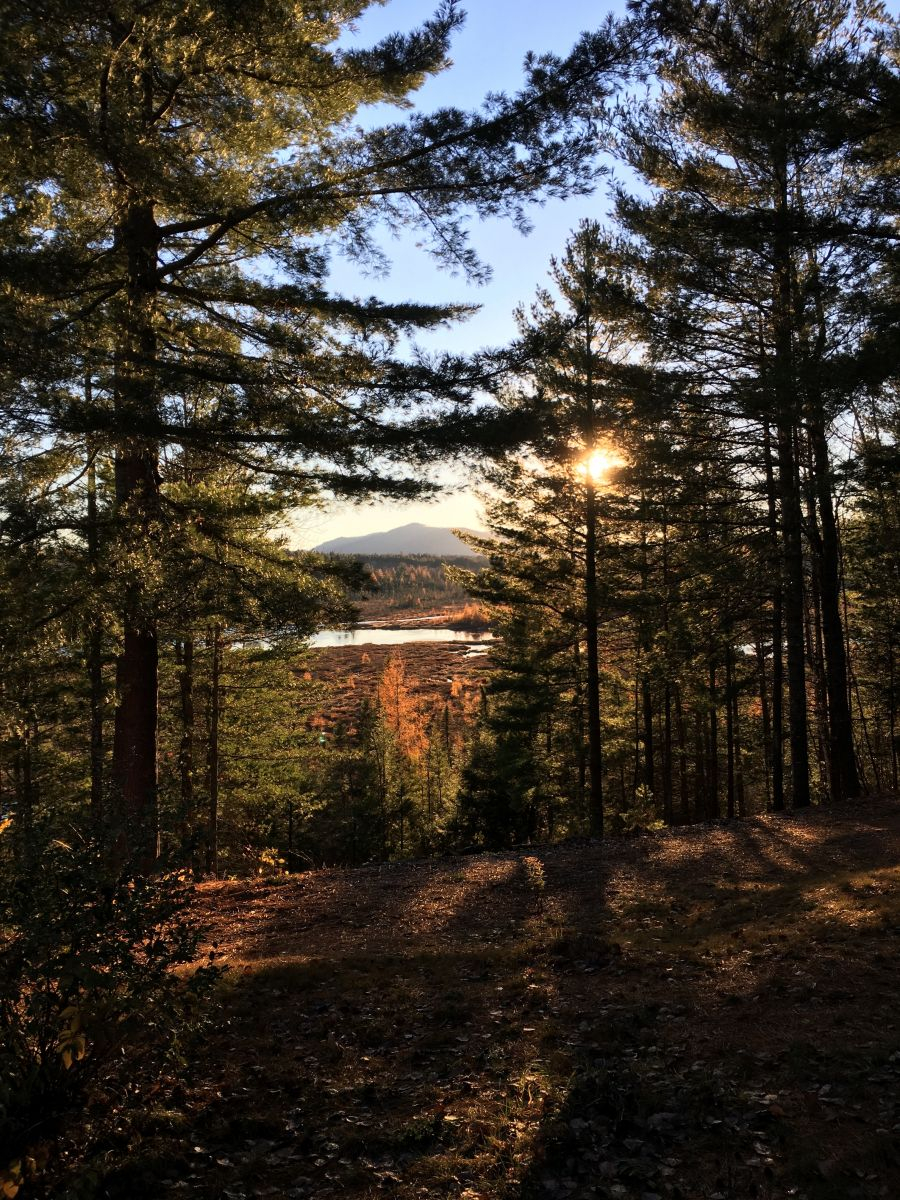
(414, 538)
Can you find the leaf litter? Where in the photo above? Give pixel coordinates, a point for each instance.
(704, 1013)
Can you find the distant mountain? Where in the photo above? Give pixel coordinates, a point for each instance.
(407, 539)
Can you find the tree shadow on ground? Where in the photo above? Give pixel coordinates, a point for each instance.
(686, 1017)
(752, 1048)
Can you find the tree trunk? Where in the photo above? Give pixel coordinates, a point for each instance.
(816, 658)
(668, 816)
(683, 786)
(592, 622)
(700, 758)
(134, 769)
(578, 707)
(646, 691)
(843, 773)
(842, 752)
(212, 753)
(892, 717)
(94, 646)
(23, 771)
(777, 632)
(729, 732)
(713, 768)
(188, 820)
(791, 525)
(134, 742)
(766, 718)
(738, 755)
(787, 419)
(648, 739)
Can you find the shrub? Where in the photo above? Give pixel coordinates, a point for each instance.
(86, 980)
(642, 816)
(471, 617)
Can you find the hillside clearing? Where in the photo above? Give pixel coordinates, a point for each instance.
(705, 1013)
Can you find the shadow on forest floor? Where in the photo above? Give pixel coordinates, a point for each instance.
(707, 1013)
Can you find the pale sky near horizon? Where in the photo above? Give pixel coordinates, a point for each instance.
(487, 56)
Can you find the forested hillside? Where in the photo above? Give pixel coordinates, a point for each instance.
(414, 538)
(408, 585)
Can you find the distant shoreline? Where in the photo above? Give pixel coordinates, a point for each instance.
(454, 619)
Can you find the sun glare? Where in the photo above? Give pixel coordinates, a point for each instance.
(597, 465)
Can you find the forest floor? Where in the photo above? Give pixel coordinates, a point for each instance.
(711, 1012)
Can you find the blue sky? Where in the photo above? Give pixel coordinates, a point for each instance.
(487, 56)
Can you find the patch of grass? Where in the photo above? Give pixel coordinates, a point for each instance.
(165, 1120)
(417, 1135)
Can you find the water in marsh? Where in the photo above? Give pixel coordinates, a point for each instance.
(363, 636)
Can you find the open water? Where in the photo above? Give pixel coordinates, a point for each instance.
(363, 636)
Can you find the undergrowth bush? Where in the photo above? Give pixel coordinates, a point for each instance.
(86, 985)
(642, 815)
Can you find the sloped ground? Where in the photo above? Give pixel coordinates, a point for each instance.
(709, 1013)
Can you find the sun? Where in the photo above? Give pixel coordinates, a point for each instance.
(597, 465)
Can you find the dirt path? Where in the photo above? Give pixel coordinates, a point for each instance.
(710, 1013)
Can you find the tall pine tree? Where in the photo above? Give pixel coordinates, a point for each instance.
(174, 174)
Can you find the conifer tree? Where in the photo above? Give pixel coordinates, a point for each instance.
(176, 174)
(586, 385)
(580, 392)
(752, 245)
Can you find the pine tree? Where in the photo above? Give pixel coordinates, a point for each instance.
(176, 173)
(582, 386)
(751, 246)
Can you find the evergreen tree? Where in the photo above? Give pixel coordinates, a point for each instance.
(175, 174)
(752, 245)
(582, 386)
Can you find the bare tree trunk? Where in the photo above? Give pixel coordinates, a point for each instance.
(134, 769)
(892, 716)
(646, 691)
(578, 704)
(94, 644)
(668, 815)
(592, 622)
(699, 774)
(729, 732)
(188, 816)
(648, 739)
(683, 785)
(777, 633)
(712, 810)
(816, 659)
(791, 524)
(842, 752)
(212, 753)
(766, 719)
(843, 775)
(738, 755)
(134, 742)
